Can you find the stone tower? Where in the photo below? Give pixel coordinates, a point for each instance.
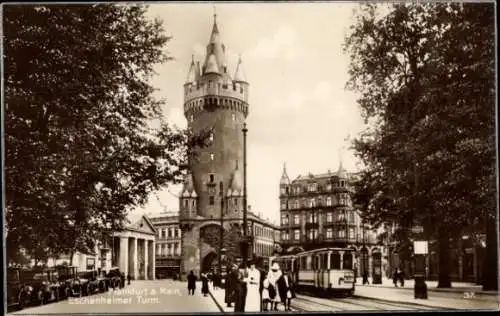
(215, 100)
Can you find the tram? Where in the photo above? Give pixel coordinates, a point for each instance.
(322, 271)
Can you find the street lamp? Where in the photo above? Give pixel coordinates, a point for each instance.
(244, 245)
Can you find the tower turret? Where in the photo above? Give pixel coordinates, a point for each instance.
(284, 182)
(188, 199)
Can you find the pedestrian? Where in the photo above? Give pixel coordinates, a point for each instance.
(285, 287)
(240, 289)
(231, 279)
(204, 284)
(274, 295)
(263, 276)
(191, 280)
(395, 277)
(365, 278)
(401, 277)
(252, 298)
(128, 278)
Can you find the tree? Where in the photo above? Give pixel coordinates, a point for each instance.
(425, 74)
(80, 150)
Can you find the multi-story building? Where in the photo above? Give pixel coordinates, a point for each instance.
(169, 237)
(317, 211)
(168, 244)
(215, 101)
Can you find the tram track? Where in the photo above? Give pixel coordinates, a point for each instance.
(351, 304)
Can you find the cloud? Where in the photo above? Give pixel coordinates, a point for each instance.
(282, 44)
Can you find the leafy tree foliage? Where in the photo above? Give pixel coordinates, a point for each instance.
(80, 150)
(425, 75)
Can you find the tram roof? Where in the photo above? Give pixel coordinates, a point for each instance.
(323, 250)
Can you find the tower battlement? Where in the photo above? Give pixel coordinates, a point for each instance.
(204, 98)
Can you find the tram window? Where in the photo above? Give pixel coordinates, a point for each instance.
(347, 261)
(308, 263)
(335, 261)
(324, 259)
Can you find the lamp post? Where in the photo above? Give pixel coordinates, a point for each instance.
(244, 245)
(221, 245)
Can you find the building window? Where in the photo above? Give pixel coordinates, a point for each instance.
(342, 183)
(211, 200)
(285, 236)
(297, 204)
(329, 217)
(283, 191)
(313, 202)
(351, 217)
(342, 233)
(193, 203)
(313, 234)
(296, 219)
(341, 216)
(329, 187)
(329, 233)
(211, 137)
(191, 118)
(211, 178)
(328, 201)
(296, 234)
(284, 220)
(212, 156)
(186, 203)
(351, 233)
(283, 204)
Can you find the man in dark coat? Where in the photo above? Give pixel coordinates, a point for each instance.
(191, 280)
(240, 292)
(231, 279)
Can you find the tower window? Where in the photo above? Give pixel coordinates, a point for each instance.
(211, 137)
(211, 178)
(212, 156)
(185, 203)
(211, 200)
(233, 117)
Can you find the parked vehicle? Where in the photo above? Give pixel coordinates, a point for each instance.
(18, 293)
(115, 278)
(31, 286)
(96, 282)
(74, 286)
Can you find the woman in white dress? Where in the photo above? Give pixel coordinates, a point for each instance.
(252, 302)
(272, 277)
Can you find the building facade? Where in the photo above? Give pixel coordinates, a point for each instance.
(132, 250)
(215, 101)
(317, 211)
(168, 245)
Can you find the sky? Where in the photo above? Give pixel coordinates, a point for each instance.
(300, 112)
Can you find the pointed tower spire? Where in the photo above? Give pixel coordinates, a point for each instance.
(214, 37)
(191, 77)
(284, 176)
(239, 74)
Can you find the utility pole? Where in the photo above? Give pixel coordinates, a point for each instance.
(221, 245)
(245, 232)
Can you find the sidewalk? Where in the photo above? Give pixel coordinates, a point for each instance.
(218, 296)
(457, 287)
(440, 300)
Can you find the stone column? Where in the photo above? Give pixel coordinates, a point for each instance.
(124, 255)
(341, 260)
(154, 259)
(135, 271)
(146, 259)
